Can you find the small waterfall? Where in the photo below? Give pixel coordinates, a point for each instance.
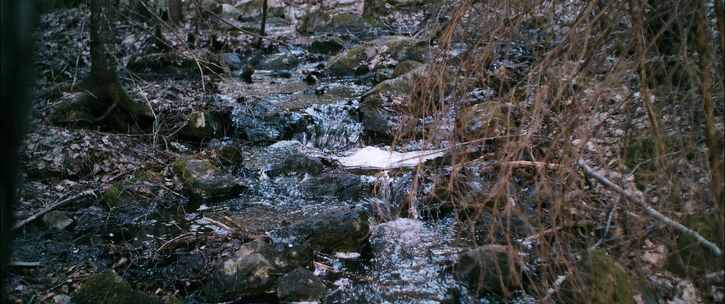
(332, 127)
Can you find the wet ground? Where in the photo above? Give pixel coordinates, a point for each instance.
(142, 223)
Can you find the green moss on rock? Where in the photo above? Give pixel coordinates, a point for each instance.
(110, 288)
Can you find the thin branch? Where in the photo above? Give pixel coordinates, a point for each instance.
(52, 207)
(651, 211)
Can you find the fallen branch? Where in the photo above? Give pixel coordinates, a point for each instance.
(651, 211)
(52, 207)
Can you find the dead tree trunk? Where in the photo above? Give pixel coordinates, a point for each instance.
(175, 11)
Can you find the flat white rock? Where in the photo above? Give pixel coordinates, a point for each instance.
(377, 158)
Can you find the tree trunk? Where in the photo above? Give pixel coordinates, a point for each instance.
(110, 103)
(263, 26)
(704, 48)
(175, 10)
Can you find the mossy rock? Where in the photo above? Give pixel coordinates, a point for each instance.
(599, 279)
(690, 258)
(110, 288)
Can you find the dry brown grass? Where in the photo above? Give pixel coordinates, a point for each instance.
(592, 68)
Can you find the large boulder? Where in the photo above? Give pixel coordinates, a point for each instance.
(300, 285)
(384, 52)
(203, 180)
(109, 287)
(490, 269)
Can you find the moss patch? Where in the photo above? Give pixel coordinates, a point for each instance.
(599, 280)
(110, 288)
(689, 257)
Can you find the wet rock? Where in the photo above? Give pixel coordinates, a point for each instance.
(340, 229)
(206, 181)
(282, 256)
(265, 122)
(600, 279)
(343, 185)
(376, 8)
(109, 287)
(232, 60)
(326, 45)
(252, 274)
(380, 110)
(247, 73)
(227, 152)
(290, 157)
(300, 285)
(389, 237)
(490, 269)
(282, 61)
(203, 125)
(384, 52)
(57, 220)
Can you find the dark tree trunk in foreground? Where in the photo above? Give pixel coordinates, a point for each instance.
(16, 35)
(176, 14)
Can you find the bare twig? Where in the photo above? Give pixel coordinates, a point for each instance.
(52, 207)
(651, 211)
